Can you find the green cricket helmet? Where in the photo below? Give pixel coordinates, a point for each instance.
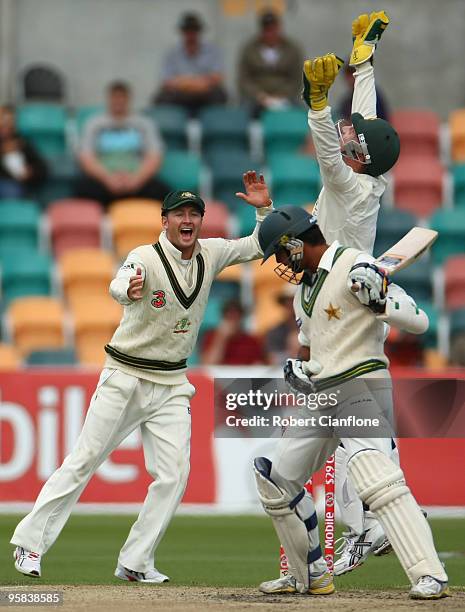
(381, 141)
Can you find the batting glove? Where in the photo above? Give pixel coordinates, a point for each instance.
(318, 76)
(296, 378)
(366, 32)
(369, 283)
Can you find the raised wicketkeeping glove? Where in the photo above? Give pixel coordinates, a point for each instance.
(366, 32)
(369, 283)
(318, 76)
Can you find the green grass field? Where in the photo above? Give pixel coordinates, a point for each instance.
(238, 551)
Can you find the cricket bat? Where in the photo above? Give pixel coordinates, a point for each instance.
(405, 252)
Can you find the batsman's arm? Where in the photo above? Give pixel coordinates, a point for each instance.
(402, 312)
(119, 286)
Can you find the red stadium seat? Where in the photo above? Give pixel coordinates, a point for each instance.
(216, 222)
(74, 223)
(454, 282)
(418, 130)
(418, 185)
(457, 135)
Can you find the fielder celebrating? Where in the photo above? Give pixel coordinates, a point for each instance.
(345, 331)
(164, 288)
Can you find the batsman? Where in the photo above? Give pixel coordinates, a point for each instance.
(346, 300)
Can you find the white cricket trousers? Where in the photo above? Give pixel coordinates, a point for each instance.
(121, 403)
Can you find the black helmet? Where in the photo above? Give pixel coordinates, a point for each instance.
(382, 141)
(282, 224)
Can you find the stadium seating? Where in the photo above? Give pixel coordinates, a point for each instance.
(457, 321)
(392, 225)
(84, 113)
(224, 128)
(53, 357)
(416, 280)
(458, 175)
(246, 218)
(19, 227)
(36, 323)
(284, 131)
(74, 223)
(418, 185)
(59, 183)
(95, 320)
(418, 130)
(454, 282)
(227, 168)
(457, 135)
(9, 357)
(86, 273)
(430, 337)
(44, 126)
(295, 179)
(267, 286)
(134, 222)
(25, 273)
(216, 222)
(451, 240)
(181, 170)
(172, 122)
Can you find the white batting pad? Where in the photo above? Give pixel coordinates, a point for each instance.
(380, 483)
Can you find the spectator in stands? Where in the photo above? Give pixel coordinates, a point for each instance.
(270, 68)
(120, 153)
(281, 340)
(22, 169)
(192, 71)
(229, 344)
(404, 349)
(344, 109)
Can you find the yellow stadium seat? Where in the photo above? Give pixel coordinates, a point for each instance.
(457, 134)
(37, 323)
(134, 222)
(232, 273)
(9, 357)
(267, 287)
(95, 320)
(86, 273)
(264, 276)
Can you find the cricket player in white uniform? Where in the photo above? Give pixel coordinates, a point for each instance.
(345, 330)
(164, 288)
(352, 159)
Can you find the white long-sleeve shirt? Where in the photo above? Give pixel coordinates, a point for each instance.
(158, 332)
(348, 204)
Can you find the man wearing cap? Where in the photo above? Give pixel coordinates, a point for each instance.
(192, 71)
(164, 288)
(269, 67)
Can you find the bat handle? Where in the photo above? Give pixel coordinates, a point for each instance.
(355, 288)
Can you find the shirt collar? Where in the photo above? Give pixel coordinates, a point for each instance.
(173, 251)
(326, 261)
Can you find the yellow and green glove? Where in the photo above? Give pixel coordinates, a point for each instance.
(366, 32)
(318, 76)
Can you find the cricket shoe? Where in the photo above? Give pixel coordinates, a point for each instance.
(428, 587)
(27, 562)
(153, 575)
(286, 584)
(354, 548)
(322, 584)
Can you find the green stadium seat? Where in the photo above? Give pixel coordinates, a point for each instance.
(392, 225)
(52, 357)
(224, 128)
(246, 219)
(171, 121)
(19, 227)
(27, 273)
(227, 169)
(416, 280)
(284, 131)
(295, 179)
(60, 182)
(451, 240)
(457, 322)
(458, 174)
(212, 315)
(430, 337)
(181, 170)
(84, 113)
(225, 290)
(44, 126)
